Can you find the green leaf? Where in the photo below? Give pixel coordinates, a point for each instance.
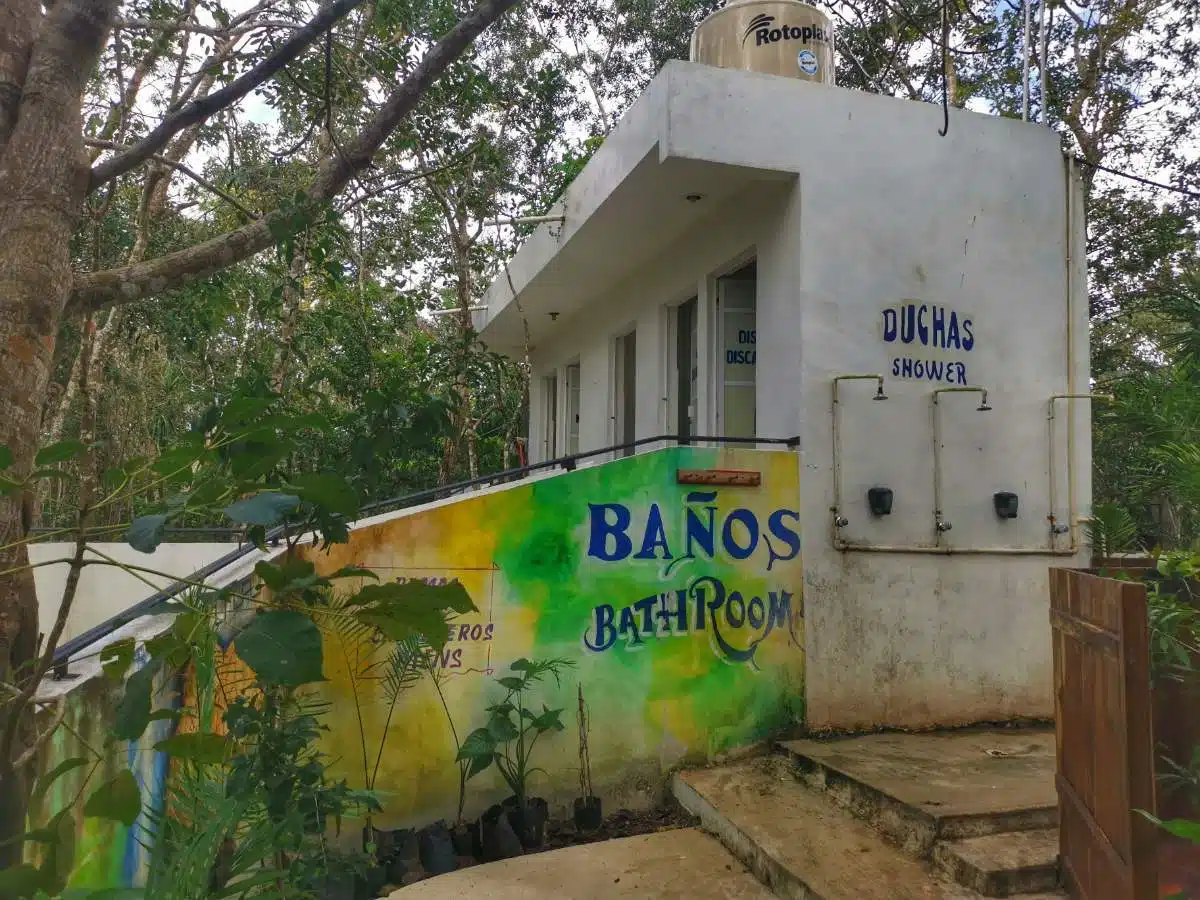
(502, 729)
(146, 532)
(289, 575)
(118, 799)
(511, 683)
(133, 710)
(59, 452)
(478, 743)
(282, 647)
(549, 721)
(1183, 828)
(200, 748)
(8, 486)
(22, 880)
(179, 459)
(399, 623)
(43, 784)
(353, 572)
(117, 657)
(330, 492)
(264, 508)
(6, 456)
(59, 858)
(479, 763)
(523, 665)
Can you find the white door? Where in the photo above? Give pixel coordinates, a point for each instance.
(572, 409)
(550, 422)
(625, 393)
(739, 357)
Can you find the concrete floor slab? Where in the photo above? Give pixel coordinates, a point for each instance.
(948, 774)
(682, 863)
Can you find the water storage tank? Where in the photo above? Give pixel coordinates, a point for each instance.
(778, 37)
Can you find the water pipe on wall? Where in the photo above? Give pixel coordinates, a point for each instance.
(940, 524)
(839, 520)
(1071, 526)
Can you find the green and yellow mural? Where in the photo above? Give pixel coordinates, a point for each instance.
(680, 605)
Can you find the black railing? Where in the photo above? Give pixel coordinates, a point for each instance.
(567, 463)
(214, 535)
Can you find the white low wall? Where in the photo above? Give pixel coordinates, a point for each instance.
(106, 590)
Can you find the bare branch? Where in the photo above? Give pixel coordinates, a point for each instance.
(98, 289)
(180, 167)
(199, 110)
(210, 30)
(60, 713)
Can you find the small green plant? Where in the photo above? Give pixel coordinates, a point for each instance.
(513, 728)
(1111, 530)
(1180, 777)
(1174, 617)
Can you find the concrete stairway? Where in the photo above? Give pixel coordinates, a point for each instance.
(952, 816)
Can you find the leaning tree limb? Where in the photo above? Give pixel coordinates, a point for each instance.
(100, 289)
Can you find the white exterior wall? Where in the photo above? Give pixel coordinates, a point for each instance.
(105, 590)
(645, 301)
(884, 210)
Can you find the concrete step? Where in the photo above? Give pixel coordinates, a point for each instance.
(801, 844)
(917, 789)
(1002, 865)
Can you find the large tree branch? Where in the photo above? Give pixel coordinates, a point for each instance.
(18, 27)
(199, 110)
(174, 270)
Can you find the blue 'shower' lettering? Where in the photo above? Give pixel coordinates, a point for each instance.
(934, 328)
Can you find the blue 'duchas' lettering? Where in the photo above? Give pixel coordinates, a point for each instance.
(610, 538)
(928, 325)
(736, 624)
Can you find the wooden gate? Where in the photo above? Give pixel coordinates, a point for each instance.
(1104, 723)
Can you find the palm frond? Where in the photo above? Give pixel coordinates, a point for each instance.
(403, 667)
(1111, 530)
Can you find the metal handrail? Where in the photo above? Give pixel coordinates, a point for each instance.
(567, 463)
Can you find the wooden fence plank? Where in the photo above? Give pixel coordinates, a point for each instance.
(1105, 736)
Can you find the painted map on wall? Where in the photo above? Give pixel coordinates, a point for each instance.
(680, 605)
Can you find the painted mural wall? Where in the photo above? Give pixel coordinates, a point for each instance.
(107, 853)
(681, 607)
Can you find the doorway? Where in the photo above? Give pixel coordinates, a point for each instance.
(687, 368)
(572, 409)
(737, 316)
(625, 395)
(550, 419)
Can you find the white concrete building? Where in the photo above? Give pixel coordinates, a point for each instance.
(742, 240)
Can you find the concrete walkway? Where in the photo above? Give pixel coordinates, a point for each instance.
(684, 863)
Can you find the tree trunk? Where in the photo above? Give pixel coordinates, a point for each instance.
(43, 177)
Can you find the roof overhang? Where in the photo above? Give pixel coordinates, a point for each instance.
(634, 198)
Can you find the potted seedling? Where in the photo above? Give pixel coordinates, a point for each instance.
(508, 741)
(588, 812)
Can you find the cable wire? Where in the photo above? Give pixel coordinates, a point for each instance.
(1195, 195)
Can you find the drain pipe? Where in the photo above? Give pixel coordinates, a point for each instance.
(940, 524)
(839, 520)
(1071, 526)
